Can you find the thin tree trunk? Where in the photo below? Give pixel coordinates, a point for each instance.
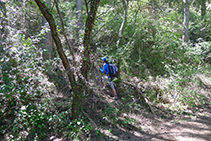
(121, 30)
(48, 41)
(203, 8)
(79, 17)
(203, 13)
(3, 22)
(48, 16)
(25, 22)
(63, 31)
(186, 20)
(78, 87)
(94, 4)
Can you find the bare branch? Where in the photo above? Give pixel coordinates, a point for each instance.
(63, 31)
(141, 95)
(87, 9)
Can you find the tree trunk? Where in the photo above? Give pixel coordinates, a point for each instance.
(79, 17)
(94, 4)
(77, 98)
(203, 13)
(48, 16)
(203, 8)
(186, 21)
(25, 22)
(3, 22)
(125, 6)
(79, 86)
(48, 41)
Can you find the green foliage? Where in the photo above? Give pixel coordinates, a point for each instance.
(150, 48)
(78, 127)
(197, 26)
(149, 44)
(99, 133)
(20, 86)
(68, 12)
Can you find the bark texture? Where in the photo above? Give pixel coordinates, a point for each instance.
(186, 21)
(48, 16)
(94, 4)
(121, 30)
(78, 86)
(77, 98)
(3, 21)
(48, 41)
(203, 13)
(79, 16)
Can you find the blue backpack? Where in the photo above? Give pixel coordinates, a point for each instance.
(113, 70)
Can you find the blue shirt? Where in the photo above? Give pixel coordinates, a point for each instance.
(105, 68)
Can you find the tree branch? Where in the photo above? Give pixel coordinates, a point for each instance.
(87, 9)
(141, 94)
(63, 31)
(125, 6)
(48, 16)
(88, 31)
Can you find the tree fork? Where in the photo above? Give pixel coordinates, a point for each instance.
(78, 87)
(61, 53)
(91, 16)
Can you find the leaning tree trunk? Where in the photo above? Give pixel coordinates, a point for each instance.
(186, 21)
(78, 86)
(48, 16)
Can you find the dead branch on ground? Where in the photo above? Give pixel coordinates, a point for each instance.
(141, 95)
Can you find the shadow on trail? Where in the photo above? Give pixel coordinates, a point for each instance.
(109, 121)
(129, 119)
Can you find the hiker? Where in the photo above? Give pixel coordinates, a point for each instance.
(110, 78)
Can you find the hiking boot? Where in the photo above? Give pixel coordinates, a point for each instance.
(115, 97)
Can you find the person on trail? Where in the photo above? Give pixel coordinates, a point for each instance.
(110, 78)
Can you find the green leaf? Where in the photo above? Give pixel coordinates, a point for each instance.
(2, 60)
(42, 1)
(78, 122)
(32, 2)
(45, 50)
(21, 34)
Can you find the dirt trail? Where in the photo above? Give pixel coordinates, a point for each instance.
(198, 129)
(129, 123)
(183, 127)
(123, 120)
(176, 129)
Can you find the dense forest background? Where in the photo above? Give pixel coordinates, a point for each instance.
(50, 53)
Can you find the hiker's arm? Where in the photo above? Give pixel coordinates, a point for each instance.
(102, 70)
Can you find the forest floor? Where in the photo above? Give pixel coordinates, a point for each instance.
(136, 124)
(130, 119)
